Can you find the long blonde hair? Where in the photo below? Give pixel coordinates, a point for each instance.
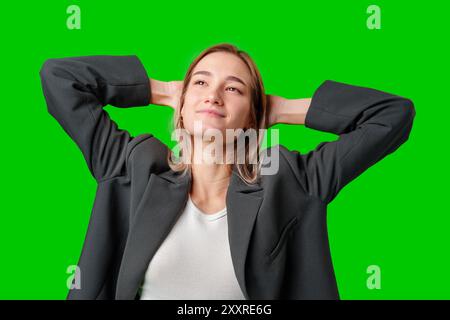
(248, 172)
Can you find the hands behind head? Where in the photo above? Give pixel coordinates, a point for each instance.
(274, 105)
(175, 89)
(166, 93)
(280, 109)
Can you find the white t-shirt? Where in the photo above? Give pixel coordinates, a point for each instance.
(194, 260)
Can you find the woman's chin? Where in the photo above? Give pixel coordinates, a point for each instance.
(209, 124)
(211, 131)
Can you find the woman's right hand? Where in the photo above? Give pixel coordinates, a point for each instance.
(166, 93)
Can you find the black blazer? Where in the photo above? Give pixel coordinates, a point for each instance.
(277, 228)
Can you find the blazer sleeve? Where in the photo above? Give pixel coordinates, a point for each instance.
(370, 123)
(76, 90)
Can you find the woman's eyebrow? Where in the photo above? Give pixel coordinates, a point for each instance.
(232, 78)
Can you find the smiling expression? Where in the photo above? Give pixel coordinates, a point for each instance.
(218, 93)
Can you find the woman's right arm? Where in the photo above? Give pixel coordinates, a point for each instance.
(76, 90)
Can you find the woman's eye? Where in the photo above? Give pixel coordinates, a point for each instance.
(234, 89)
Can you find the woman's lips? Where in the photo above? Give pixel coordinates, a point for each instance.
(212, 113)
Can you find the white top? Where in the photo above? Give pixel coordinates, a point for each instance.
(194, 260)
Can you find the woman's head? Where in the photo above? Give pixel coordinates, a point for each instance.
(223, 80)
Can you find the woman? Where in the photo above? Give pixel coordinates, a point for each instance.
(162, 229)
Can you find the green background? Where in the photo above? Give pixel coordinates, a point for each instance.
(395, 215)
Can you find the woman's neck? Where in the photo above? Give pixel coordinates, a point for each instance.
(210, 181)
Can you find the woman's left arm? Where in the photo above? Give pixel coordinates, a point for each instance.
(288, 111)
(370, 123)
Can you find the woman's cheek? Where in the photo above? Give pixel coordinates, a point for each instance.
(243, 115)
(189, 123)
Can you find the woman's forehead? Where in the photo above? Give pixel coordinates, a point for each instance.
(223, 64)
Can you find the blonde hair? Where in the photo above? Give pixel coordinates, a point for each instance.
(248, 172)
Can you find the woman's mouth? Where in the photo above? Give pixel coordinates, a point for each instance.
(212, 112)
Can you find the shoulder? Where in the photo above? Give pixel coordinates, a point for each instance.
(145, 150)
(284, 164)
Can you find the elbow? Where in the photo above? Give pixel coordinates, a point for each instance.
(405, 118)
(47, 68)
(409, 109)
(49, 83)
(402, 113)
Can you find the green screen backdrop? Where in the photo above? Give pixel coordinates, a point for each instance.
(394, 216)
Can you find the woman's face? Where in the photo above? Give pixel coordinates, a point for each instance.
(218, 94)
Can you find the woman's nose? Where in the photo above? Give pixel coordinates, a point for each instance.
(213, 97)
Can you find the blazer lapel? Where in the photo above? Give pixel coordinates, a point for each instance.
(243, 204)
(164, 199)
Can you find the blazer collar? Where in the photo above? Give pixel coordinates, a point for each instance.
(164, 199)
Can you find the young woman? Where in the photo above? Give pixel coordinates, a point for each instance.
(162, 229)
